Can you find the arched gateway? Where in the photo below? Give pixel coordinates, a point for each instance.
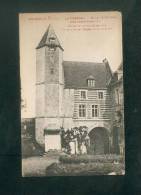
(99, 141)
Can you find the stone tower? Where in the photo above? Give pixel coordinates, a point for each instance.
(49, 85)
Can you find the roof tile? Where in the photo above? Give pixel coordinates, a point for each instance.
(76, 74)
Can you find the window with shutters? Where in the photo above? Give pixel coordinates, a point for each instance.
(82, 110)
(95, 111)
(100, 95)
(83, 94)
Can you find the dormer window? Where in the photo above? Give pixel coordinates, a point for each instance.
(91, 81)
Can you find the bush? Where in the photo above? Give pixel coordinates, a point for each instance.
(90, 158)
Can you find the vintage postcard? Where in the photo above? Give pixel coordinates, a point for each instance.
(72, 97)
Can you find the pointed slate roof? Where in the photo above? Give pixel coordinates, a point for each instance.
(117, 76)
(77, 73)
(45, 41)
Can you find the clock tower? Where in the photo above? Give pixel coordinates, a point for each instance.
(49, 85)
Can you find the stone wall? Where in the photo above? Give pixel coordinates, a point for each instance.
(68, 103)
(39, 131)
(40, 100)
(51, 100)
(40, 64)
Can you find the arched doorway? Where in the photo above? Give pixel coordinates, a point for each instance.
(99, 141)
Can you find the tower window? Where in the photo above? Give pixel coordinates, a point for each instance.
(82, 110)
(91, 82)
(52, 48)
(52, 44)
(51, 39)
(52, 70)
(100, 95)
(95, 111)
(83, 94)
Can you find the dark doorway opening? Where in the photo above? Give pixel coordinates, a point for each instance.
(99, 141)
(116, 148)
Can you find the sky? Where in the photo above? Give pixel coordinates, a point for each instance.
(84, 36)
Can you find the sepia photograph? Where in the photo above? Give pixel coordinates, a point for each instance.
(72, 96)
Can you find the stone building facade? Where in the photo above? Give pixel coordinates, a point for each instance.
(117, 96)
(71, 94)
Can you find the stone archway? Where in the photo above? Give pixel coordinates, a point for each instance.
(99, 141)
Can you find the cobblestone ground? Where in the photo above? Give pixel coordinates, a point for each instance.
(36, 166)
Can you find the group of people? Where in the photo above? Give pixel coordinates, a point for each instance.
(75, 140)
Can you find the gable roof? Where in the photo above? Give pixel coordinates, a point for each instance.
(77, 73)
(45, 41)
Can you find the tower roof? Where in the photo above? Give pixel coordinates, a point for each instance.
(48, 35)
